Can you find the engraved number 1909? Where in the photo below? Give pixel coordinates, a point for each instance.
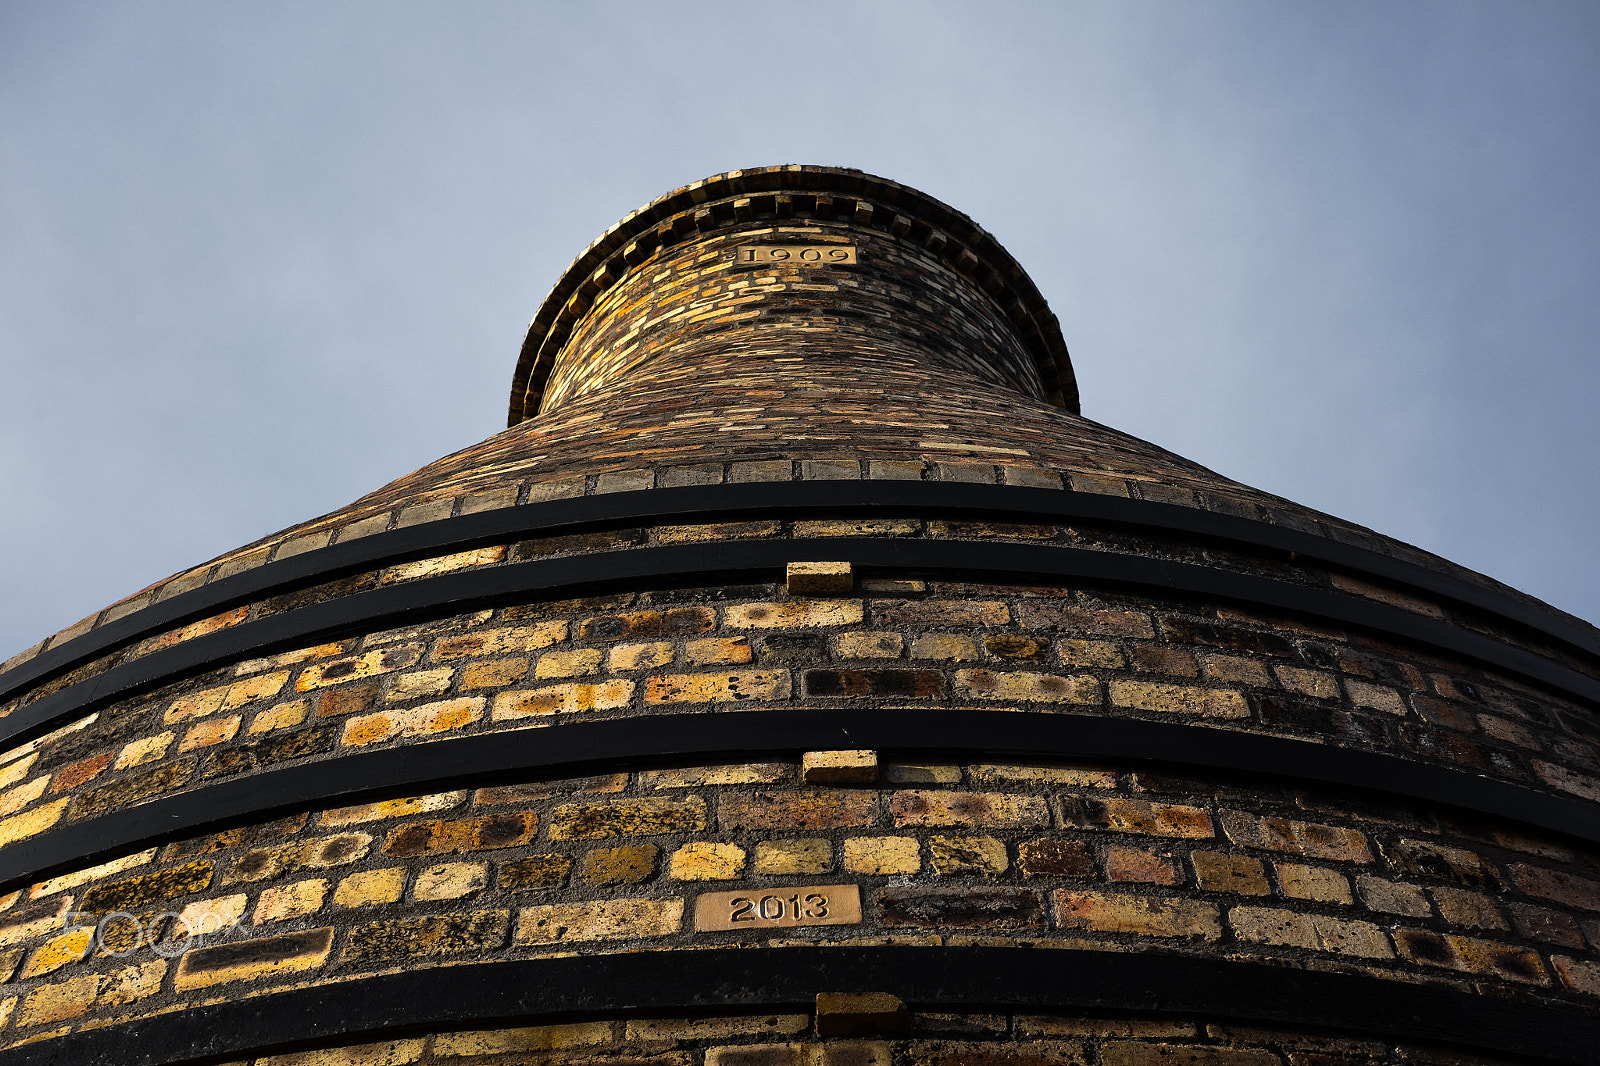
(797, 253)
(776, 908)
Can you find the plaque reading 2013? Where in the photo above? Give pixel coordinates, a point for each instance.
(778, 908)
(796, 254)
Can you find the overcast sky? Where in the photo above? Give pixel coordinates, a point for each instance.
(257, 259)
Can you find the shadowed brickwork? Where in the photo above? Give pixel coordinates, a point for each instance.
(662, 362)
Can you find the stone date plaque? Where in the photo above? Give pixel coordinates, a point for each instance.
(802, 254)
(777, 908)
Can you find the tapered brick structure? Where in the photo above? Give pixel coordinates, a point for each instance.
(800, 679)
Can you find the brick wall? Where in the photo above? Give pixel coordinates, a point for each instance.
(681, 368)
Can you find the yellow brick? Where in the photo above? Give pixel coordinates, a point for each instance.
(1121, 912)
(714, 650)
(1315, 932)
(247, 960)
(493, 673)
(636, 656)
(854, 767)
(718, 688)
(1316, 683)
(24, 825)
(619, 919)
(284, 902)
(1027, 686)
(1375, 697)
(254, 689)
(794, 614)
(867, 644)
(58, 951)
(509, 640)
(399, 808)
(17, 770)
(567, 663)
(283, 716)
(90, 873)
(882, 855)
(1317, 883)
(1179, 699)
(444, 564)
(426, 720)
(803, 855)
(15, 799)
(1090, 653)
(451, 880)
(553, 699)
(69, 999)
(508, 1041)
(370, 887)
(205, 734)
(944, 646)
(373, 663)
(209, 917)
(143, 750)
(420, 685)
(982, 855)
(387, 1053)
(859, 527)
(704, 861)
(195, 705)
(820, 579)
(755, 773)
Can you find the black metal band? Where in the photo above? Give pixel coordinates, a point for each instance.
(729, 561)
(676, 983)
(698, 739)
(787, 500)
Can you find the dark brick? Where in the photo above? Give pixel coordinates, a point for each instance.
(890, 681)
(536, 871)
(264, 952)
(577, 542)
(438, 934)
(676, 622)
(1054, 858)
(967, 908)
(248, 757)
(159, 887)
(331, 590)
(347, 699)
(1416, 858)
(1014, 646)
(1234, 638)
(811, 809)
(246, 836)
(466, 834)
(130, 790)
(793, 647)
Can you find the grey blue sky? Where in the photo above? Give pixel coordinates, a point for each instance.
(257, 259)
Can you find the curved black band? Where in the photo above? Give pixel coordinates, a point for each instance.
(729, 561)
(781, 499)
(518, 756)
(675, 983)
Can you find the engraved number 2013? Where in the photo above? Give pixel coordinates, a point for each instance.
(776, 908)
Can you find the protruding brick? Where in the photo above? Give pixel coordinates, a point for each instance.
(820, 579)
(860, 1013)
(859, 767)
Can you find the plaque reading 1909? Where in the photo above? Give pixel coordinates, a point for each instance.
(779, 907)
(803, 254)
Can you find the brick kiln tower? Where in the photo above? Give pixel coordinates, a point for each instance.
(800, 679)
